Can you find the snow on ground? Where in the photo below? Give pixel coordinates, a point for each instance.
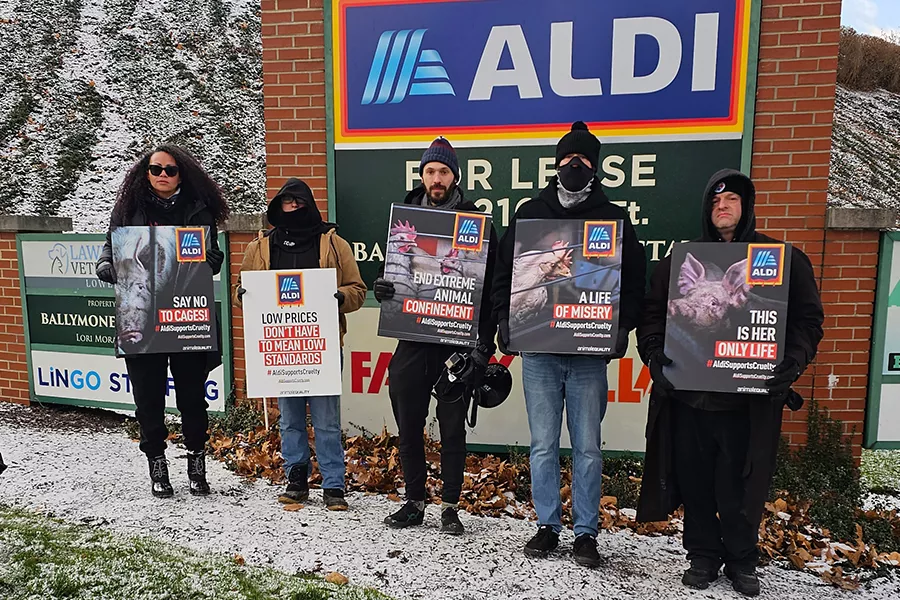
(85, 470)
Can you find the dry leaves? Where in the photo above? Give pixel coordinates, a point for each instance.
(239, 559)
(292, 507)
(336, 578)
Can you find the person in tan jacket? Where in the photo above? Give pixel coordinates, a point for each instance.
(300, 239)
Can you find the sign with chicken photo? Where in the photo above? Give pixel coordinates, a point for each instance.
(727, 313)
(436, 260)
(565, 286)
(165, 298)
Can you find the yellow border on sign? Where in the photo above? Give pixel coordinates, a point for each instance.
(299, 275)
(612, 248)
(777, 247)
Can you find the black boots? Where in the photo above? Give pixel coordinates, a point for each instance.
(409, 515)
(584, 551)
(334, 499)
(159, 476)
(699, 576)
(450, 522)
(743, 580)
(298, 485)
(197, 473)
(543, 543)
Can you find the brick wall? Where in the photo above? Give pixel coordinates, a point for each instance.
(13, 365)
(791, 150)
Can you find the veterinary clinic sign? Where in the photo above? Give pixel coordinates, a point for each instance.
(70, 319)
(883, 410)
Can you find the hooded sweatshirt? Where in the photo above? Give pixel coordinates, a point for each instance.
(804, 319)
(294, 241)
(595, 207)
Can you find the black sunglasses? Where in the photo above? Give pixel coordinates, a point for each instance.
(171, 170)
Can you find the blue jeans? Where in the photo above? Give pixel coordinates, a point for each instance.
(326, 420)
(578, 382)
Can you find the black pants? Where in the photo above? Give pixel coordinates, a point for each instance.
(710, 454)
(149, 381)
(413, 371)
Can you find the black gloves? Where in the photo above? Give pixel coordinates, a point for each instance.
(785, 374)
(658, 360)
(340, 297)
(481, 357)
(621, 345)
(384, 289)
(241, 291)
(503, 338)
(106, 272)
(215, 258)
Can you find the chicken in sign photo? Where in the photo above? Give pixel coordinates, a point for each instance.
(531, 270)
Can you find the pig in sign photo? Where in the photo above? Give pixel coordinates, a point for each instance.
(165, 300)
(565, 286)
(437, 260)
(727, 313)
(292, 341)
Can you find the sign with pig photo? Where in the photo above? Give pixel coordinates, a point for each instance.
(292, 343)
(725, 327)
(436, 260)
(565, 286)
(164, 293)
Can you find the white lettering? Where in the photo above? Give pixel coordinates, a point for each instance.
(625, 32)
(706, 48)
(516, 184)
(522, 76)
(638, 169)
(479, 176)
(610, 167)
(561, 80)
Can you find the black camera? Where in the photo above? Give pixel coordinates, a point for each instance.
(459, 366)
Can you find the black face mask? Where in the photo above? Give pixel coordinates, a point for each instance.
(575, 175)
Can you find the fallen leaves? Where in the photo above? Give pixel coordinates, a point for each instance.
(336, 578)
(293, 507)
(239, 560)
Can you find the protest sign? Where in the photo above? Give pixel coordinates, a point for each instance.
(565, 286)
(164, 291)
(292, 343)
(436, 260)
(727, 314)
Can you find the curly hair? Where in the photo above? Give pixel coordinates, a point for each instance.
(195, 182)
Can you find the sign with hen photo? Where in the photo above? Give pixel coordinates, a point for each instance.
(436, 260)
(727, 313)
(565, 286)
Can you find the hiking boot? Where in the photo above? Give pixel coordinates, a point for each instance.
(450, 522)
(585, 551)
(407, 516)
(699, 577)
(543, 542)
(197, 473)
(744, 581)
(159, 476)
(298, 485)
(334, 499)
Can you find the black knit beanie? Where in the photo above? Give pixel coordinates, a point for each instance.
(579, 141)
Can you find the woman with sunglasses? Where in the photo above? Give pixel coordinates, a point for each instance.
(169, 187)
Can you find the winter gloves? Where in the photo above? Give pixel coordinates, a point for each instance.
(655, 358)
(384, 289)
(106, 272)
(215, 258)
(784, 375)
(340, 297)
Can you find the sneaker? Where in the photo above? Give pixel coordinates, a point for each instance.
(407, 516)
(699, 577)
(542, 543)
(298, 485)
(450, 522)
(334, 499)
(159, 476)
(197, 473)
(744, 581)
(585, 551)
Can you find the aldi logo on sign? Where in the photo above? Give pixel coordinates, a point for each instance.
(468, 232)
(765, 264)
(191, 243)
(290, 289)
(599, 239)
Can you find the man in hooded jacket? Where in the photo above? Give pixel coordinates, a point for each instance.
(415, 366)
(300, 239)
(578, 382)
(715, 452)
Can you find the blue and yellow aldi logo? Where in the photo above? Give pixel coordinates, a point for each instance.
(765, 264)
(468, 232)
(191, 244)
(600, 239)
(290, 289)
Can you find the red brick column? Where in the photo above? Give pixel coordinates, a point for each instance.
(13, 362)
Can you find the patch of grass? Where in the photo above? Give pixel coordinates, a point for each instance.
(880, 470)
(45, 558)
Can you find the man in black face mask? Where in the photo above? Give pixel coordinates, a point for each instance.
(576, 381)
(416, 366)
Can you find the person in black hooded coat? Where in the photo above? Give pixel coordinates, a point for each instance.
(167, 186)
(715, 452)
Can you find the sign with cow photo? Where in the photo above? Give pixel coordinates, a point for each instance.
(292, 342)
(164, 291)
(565, 286)
(436, 260)
(727, 312)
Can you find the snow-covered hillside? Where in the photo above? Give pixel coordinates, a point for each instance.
(865, 151)
(88, 85)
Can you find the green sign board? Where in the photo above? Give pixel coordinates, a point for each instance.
(883, 409)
